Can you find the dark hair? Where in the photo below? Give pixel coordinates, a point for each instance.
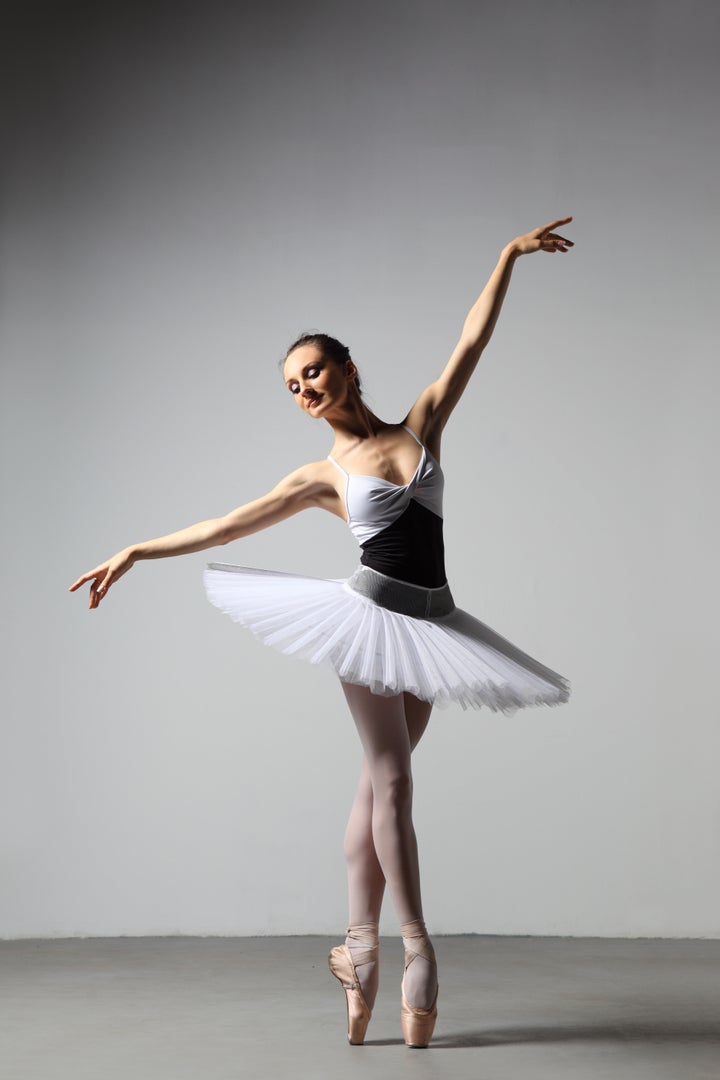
(331, 348)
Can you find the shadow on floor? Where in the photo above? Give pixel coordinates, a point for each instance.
(672, 1031)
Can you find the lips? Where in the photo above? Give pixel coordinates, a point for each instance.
(314, 401)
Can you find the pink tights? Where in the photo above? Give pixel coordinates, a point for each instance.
(380, 843)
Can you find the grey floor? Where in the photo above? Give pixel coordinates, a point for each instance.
(211, 1008)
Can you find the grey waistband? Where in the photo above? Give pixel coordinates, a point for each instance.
(401, 596)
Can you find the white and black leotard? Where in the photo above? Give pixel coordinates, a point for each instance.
(400, 527)
(393, 625)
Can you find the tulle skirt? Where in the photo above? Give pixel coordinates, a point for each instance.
(362, 628)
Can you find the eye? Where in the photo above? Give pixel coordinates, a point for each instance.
(293, 388)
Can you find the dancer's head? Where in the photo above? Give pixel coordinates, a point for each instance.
(319, 371)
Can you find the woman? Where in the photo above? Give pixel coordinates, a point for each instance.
(391, 631)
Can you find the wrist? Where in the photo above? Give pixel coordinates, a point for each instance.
(511, 250)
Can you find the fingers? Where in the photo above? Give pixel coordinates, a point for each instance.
(550, 241)
(553, 242)
(81, 581)
(557, 243)
(554, 224)
(102, 577)
(97, 591)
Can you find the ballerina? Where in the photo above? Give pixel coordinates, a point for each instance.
(391, 631)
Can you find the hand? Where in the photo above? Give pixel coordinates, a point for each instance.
(543, 239)
(105, 575)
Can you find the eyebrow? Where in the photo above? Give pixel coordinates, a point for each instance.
(310, 364)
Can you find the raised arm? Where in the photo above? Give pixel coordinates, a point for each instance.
(432, 409)
(299, 490)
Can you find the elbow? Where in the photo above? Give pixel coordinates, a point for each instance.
(473, 340)
(224, 533)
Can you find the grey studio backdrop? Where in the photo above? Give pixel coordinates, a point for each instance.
(186, 189)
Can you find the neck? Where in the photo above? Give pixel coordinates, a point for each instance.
(354, 423)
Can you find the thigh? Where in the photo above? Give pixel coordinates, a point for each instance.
(417, 716)
(382, 726)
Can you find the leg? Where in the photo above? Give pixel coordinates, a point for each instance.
(366, 881)
(366, 885)
(384, 727)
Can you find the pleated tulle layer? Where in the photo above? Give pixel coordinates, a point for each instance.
(453, 658)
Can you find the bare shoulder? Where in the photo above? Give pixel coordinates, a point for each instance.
(310, 476)
(425, 420)
(314, 484)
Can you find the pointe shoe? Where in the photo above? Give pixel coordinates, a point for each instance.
(341, 965)
(417, 1024)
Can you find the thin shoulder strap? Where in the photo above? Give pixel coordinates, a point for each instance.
(411, 432)
(331, 458)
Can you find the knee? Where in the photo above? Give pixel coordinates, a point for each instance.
(395, 792)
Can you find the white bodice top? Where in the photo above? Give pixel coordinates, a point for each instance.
(372, 504)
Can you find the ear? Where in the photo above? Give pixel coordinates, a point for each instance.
(350, 370)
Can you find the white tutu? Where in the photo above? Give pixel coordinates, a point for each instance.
(454, 657)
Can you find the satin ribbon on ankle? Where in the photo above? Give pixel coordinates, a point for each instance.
(366, 935)
(416, 932)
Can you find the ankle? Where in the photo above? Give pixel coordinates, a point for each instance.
(416, 941)
(363, 938)
(362, 942)
(419, 983)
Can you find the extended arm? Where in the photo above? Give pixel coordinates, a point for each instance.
(432, 410)
(297, 491)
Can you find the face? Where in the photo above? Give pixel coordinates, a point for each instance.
(316, 383)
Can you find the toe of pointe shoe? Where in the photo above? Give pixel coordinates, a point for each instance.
(342, 967)
(417, 1024)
